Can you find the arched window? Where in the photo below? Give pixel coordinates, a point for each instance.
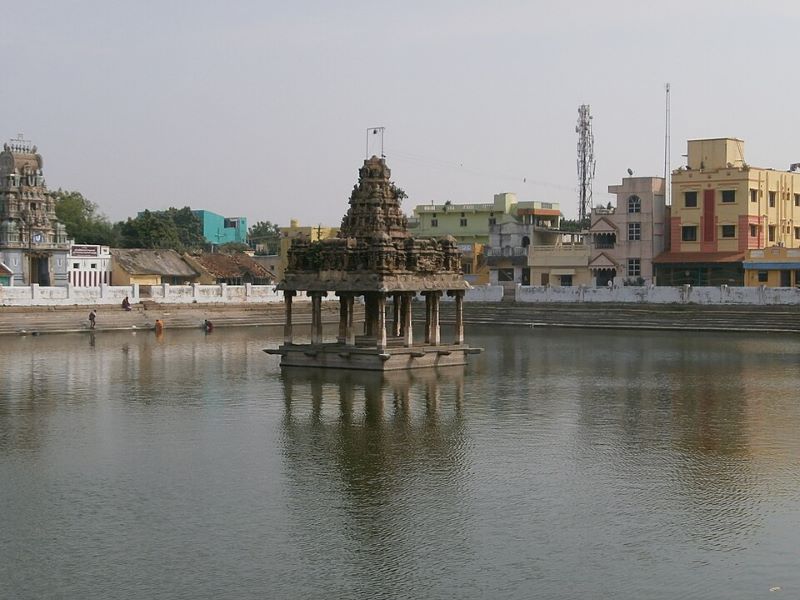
(526, 241)
(634, 204)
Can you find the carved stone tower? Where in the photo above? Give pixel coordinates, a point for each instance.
(33, 244)
(375, 258)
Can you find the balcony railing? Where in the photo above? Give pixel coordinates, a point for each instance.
(506, 251)
(560, 249)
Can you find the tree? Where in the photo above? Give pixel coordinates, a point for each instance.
(80, 217)
(176, 229)
(189, 227)
(265, 234)
(150, 230)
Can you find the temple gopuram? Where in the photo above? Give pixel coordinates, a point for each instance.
(374, 259)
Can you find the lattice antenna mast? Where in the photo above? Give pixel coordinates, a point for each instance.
(586, 164)
(667, 169)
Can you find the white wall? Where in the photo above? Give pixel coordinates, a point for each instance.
(260, 294)
(35, 295)
(660, 295)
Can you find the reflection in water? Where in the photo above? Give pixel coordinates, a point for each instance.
(556, 464)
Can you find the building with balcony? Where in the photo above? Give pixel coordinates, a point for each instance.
(33, 244)
(721, 208)
(508, 252)
(562, 264)
(625, 239)
(472, 225)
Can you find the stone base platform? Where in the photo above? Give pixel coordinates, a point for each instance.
(341, 356)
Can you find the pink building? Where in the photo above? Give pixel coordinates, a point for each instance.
(625, 239)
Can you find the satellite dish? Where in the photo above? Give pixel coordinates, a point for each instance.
(630, 172)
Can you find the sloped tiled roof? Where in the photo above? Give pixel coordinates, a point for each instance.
(603, 225)
(229, 266)
(139, 261)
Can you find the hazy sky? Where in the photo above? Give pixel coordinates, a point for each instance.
(260, 108)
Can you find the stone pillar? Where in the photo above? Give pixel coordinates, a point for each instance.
(343, 320)
(369, 313)
(459, 300)
(380, 334)
(405, 299)
(436, 334)
(351, 330)
(287, 328)
(428, 314)
(408, 337)
(396, 315)
(316, 316)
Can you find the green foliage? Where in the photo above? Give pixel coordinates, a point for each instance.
(177, 229)
(265, 234)
(232, 248)
(84, 224)
(574, 225)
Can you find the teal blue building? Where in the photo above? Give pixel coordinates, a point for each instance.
(222, 230)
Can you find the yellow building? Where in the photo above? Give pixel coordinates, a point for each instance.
(773, 267)
(565, 263)
(721, 208)
(295, 230)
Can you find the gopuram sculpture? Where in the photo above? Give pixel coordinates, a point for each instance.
(375, 259)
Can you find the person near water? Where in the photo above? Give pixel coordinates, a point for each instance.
(92, 317)
(126, 304)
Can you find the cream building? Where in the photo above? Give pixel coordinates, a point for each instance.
(721, 208)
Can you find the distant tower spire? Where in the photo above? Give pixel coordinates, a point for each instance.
(586, 164)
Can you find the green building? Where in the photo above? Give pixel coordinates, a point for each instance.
(470, 223)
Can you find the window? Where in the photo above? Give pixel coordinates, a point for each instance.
(434, 222)
(753, 195)
(797, 199)
(771, 233)
(505, 274)
(753, 230)
(547, 205)
(729, 231)
(689, 233)
(466, 267)
(76, 265)
(634, 267)
(463, 215)
(634, 231)
(797, 233)
(463, 222)
(729, 195)
(566, 280)
(634, 204)
(526, 241)
(94, 265)
(492, 221)
(690, 199)
(772, 199)
(763, 276)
